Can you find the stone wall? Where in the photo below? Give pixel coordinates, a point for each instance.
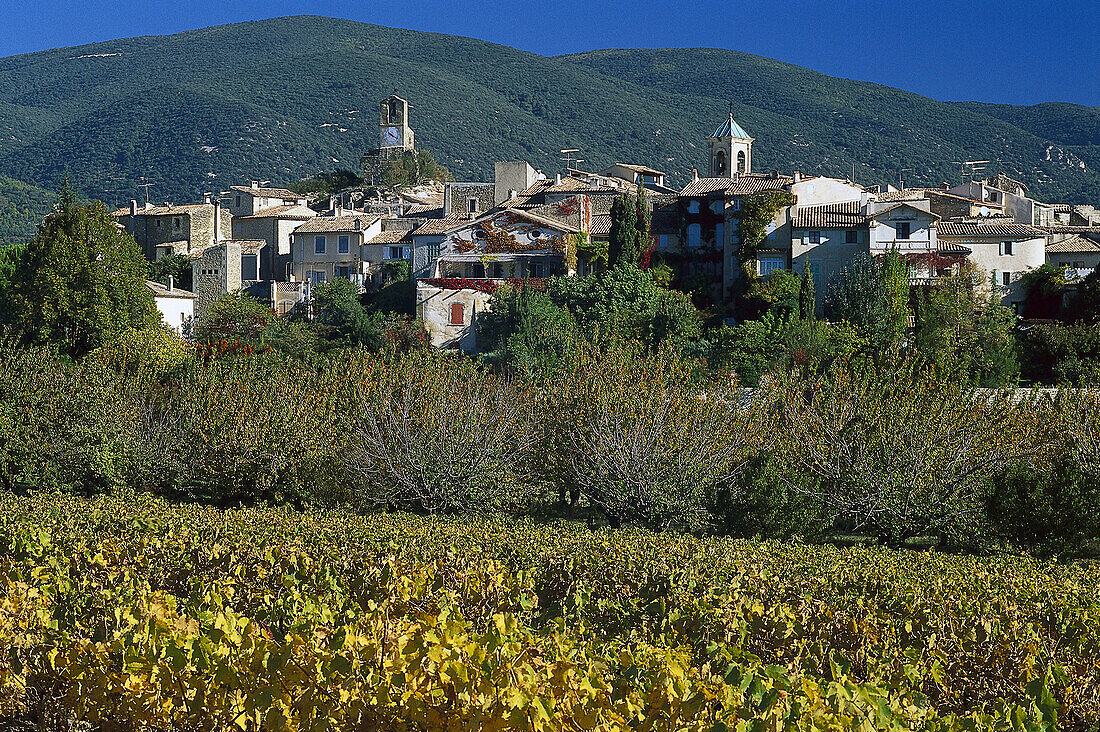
(457, 197)
(435, 306)
(216, 272)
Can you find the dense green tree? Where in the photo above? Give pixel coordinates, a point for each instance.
(340, 314)
(895, 291)
(1044, 287)
(1060, 354)
(10, 257)
(622, 246)
(1085, 304)
(177, 265)
(412, 168)
(236, 317)
(856, 295)
(644, 214)
(807, 301)
(81, 280)
(963, 330)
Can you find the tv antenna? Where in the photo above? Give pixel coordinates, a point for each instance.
(570, 156)
(146, 184)
(968, 169)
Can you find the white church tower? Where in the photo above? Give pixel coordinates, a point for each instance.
(730, 150)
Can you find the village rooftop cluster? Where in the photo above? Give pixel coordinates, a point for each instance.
(459, 240)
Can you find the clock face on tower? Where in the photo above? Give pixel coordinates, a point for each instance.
(392, 136)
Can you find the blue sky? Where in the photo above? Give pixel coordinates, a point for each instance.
(1008, 51)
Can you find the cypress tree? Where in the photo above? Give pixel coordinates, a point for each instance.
(807, 301)
(622, 245)
(644, 215)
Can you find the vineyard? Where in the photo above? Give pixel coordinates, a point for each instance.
(128, 612)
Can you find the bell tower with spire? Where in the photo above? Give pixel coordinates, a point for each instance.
(730, 150)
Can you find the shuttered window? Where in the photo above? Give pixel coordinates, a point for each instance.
(458, 314)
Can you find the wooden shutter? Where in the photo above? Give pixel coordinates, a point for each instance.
(458, 314)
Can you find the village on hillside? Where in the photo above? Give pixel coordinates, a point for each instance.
(460, 240)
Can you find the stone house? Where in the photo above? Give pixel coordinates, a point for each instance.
(169, 229)
(274, 226)
(1000, 246)
(252, 199)
(326, 247)
(176, 305)
(1079, 253)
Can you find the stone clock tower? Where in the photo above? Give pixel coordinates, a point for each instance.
(394, 129)
(730, 150)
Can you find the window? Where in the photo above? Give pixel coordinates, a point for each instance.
(238, 227)
(814, 237)
(693, 207)
(694, 235)
(476, 271)
(903, 229)
(395, 252)
(344, 271)
(770, 264)
(1006, 248)
(318, 245)
(1006, 278)
(740, 161)
(737, 204)
(719, 235)
(662, 241)
(458, 314)
(851, 236)
(434, 248)
(496, 270)
(238, 204)
(716, 206)
(316, 277)
(534, 269)
(343, 244)
(176, 222)
(249, 267)
(473, 205)
(158, 223)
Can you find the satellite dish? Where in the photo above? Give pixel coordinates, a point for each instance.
(983, 211)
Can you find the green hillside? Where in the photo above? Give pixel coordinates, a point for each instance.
(283, 99)
(21, 208)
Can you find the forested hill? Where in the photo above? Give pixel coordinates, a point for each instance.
(285, 98)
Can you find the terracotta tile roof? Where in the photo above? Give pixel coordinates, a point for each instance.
(1071, 229)
(830, 216)
(268, 192)
(645, 170)
(441, 226)
(950, 247)
(392, 237)
(1012, 230)
(160, 290)
(248, 246)
(165, 210)
(740, 186)
(283, 212)
(1074, 244)
(325, 224)
(919, 194)
(426, 210)
(601, 225)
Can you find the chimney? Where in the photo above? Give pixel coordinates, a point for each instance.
(797, 177)
(512, 194)
(358, 224)
(207, 197)
(557, 179)
(133, 207)
(217, 221)
(694, 175)
(171, 283)
(254, 184)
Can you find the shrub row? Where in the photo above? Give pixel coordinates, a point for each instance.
(888, 453)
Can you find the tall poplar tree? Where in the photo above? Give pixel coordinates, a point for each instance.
(807, 300)
(622, 246)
